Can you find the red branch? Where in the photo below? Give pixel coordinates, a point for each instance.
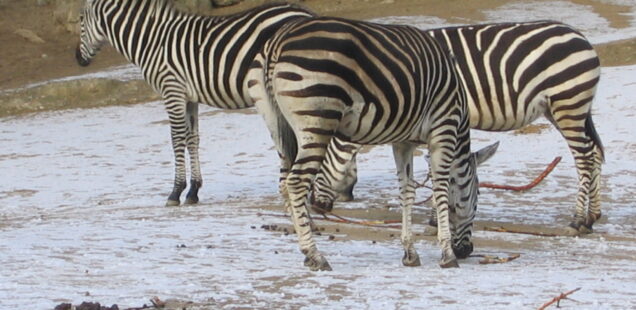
(558, 298)
(526, 187)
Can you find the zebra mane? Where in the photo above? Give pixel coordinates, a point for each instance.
(160, 6)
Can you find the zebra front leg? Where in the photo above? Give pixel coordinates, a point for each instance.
(440, 165)
(403, 155)
(332, 180)
(176, 108)
(192, 142)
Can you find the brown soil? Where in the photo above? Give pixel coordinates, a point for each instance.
(23, 62)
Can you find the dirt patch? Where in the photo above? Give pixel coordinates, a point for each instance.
(23, 61)
(87, 93)
(532, 129)
(617, 53)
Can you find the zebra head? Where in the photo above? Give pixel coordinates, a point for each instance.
(92, 32)
(463, 192)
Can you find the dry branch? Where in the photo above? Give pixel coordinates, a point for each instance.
(529, 186)
(558, 299)
(516, 231)
(340, 219)
(490, 259)
(526, 187)
(383, 223)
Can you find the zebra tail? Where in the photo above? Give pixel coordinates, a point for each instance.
(286, 137)
(590, 130)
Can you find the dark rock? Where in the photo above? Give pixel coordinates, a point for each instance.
(64, 306)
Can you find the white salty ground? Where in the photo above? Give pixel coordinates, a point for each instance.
(82, 217)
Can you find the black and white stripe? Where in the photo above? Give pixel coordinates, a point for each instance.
(514, 73)
(367, 83)
(188, 59)
(517, 72)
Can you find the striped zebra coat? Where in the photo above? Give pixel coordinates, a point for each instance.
(369, 84)
(188, 59)
(513, 74)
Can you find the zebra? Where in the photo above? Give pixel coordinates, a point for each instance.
(369, 83)
(188, 59)
(514, 73)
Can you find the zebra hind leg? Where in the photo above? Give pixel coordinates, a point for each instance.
(594, 208)
(298, 185)
(403, 155)
(586, 149)
(192, 142)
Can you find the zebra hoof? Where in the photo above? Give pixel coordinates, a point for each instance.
(191, 200)
(172, 203)
(317, 264)
(571, 231)
(430, 230)
(344, 197)
(463, 249)
(585, 230)
(449, 264)
(318, 205)
(411, 259)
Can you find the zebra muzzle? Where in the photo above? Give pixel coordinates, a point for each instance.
(80, 59)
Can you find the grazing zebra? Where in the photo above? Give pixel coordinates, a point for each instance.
(188, 59)
(513, 74)
(369, 84)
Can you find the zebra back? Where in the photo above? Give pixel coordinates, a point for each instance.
(387, 75)
(368, 83)
(207, 57)
(513, 70)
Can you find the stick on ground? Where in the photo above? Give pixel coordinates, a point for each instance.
(526, 187)
(516, 231)
(558, 298)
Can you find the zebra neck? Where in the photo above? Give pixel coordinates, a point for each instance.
(136, 27)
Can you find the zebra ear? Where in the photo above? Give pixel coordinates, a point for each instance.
(485, 153)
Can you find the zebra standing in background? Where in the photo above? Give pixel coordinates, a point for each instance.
(369, 84)
(513, 74)
(188, 59)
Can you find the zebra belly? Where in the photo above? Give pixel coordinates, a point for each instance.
(525, 114)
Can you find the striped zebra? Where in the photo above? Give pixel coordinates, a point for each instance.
(188, 59)
(369, 84)
(513, 74)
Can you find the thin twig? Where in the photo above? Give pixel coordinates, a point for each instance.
(423, 184)
(526, 187)
(558, 299)
(340, 219)
(419, 203)
(516, 231)
(382, 224)
(490, 259)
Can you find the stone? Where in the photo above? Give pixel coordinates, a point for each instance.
(29, 35)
